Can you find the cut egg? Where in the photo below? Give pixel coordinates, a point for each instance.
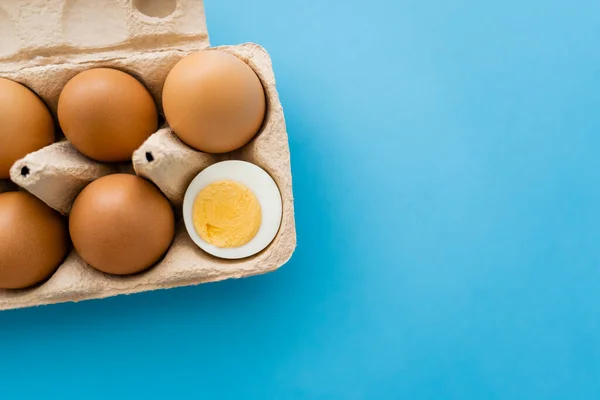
(232, 209)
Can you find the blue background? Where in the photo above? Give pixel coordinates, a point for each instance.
(447, 194)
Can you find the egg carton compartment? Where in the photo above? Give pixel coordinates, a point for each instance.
(57, 173)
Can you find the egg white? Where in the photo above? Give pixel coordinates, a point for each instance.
(264, 189)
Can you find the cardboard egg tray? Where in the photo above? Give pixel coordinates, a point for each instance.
(43, 44)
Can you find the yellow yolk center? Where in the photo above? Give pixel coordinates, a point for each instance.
(226, 214)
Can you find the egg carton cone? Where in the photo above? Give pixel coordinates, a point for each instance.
(45, 43)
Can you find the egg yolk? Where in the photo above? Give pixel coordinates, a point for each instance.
(226, 214)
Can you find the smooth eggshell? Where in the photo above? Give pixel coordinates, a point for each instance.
(34, 240)
(25, 124)
(121, 224)
(106, 114)
(214, 101)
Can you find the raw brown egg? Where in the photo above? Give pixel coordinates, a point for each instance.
(34, 240)
(214, 101)
(121, 224)
(106, 114)
(25, 124)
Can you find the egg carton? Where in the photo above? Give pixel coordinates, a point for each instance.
(43, 44)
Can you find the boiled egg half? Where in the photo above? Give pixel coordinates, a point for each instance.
(232, 209)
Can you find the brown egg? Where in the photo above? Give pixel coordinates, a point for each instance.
(25, 124)
(213, 101)
(106, 114)
(121, 224)
(34, 240)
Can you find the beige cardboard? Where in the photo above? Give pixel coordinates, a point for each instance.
(44, 50)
